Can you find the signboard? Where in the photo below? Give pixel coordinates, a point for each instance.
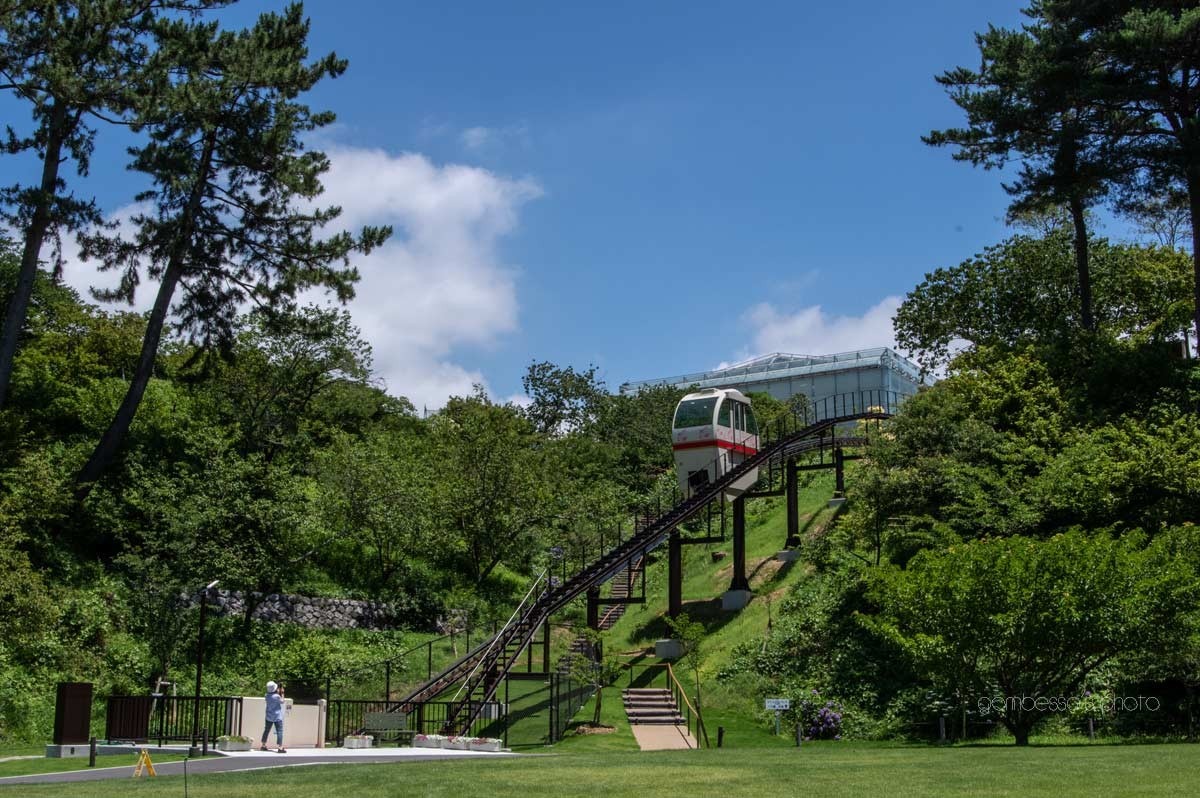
(779, 703)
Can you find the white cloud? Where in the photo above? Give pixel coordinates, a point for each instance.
(84, 275)
(474, 138)
(437, 285)
(812, 331)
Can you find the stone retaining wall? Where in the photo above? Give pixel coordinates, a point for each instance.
(315, 613)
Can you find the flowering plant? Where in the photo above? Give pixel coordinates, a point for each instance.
(819, 720)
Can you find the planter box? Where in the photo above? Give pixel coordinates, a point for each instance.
(486, 744)
(428, 741)
(358, 741)
(234, 745)
(458, 744)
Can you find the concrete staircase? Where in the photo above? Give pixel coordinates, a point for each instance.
(621, 587)
(580, 649)
(651, 705)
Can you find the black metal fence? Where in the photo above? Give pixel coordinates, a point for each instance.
(536, 707)
(567, 696)
(346, 716)
(170, 718)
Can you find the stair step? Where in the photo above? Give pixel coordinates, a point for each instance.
(646, 691)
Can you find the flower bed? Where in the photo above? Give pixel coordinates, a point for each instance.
(429, 741)
(485, 744)
(358, 741)
(233, 742)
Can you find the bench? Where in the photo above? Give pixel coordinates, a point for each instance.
(388, 726)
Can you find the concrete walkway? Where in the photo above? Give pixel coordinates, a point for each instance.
(258, 760)
(662, 736)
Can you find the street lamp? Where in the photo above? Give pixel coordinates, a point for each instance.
(195, 750)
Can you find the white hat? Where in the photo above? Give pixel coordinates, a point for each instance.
(271, 687)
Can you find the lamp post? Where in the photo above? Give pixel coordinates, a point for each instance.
(195, 749)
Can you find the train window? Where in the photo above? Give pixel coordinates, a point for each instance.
(695, 413)
(751, 424)
(739, 422)
(723, 414)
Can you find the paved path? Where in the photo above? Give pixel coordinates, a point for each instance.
(662, 736)
(258, 760)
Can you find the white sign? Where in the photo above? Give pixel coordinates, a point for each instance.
(779, 703)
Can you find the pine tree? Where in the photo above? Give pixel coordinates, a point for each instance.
(1036, 97)
(74, 63)
(230, 219)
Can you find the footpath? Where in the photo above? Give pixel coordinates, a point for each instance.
(258, 760)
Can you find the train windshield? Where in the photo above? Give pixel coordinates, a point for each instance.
(695, 413)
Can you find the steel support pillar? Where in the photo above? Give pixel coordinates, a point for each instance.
(793, 505)
(674, 575)
(546, 646)
(739, 581)
(839, 465)
(593, 608)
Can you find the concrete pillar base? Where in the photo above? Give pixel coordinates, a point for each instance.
(668, 649)
(735, 599)
(788, 555)
(837, 501)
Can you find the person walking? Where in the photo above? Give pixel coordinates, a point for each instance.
(274, 716)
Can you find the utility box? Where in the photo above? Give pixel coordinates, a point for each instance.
(73, 713)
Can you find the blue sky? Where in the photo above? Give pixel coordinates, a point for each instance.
(654, 188)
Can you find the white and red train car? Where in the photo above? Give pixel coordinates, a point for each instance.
(714, 431)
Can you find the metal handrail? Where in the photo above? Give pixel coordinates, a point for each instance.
(678, 692)
(496, 638)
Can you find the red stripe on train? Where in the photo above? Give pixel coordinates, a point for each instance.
(735, 447)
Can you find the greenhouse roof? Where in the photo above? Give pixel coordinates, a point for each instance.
(781, 365)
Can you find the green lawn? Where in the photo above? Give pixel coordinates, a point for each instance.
(24, 767)
(827, 769)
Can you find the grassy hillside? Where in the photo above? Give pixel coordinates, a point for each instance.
(704, 580)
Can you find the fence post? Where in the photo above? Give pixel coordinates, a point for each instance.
(941, 728)
(92, 753)
(720, 736)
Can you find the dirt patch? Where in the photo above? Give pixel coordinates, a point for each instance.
(764, 570)
(587, 728)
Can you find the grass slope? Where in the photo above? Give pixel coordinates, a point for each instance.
(704, 580)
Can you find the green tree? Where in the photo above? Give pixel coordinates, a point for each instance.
(561, 399)
(491, 491)
(1022, 623)
(279, 368)
(1018, 293)
(691, 634)
(231, 179)
(377, 491)
(598, 671)
(73, 63)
